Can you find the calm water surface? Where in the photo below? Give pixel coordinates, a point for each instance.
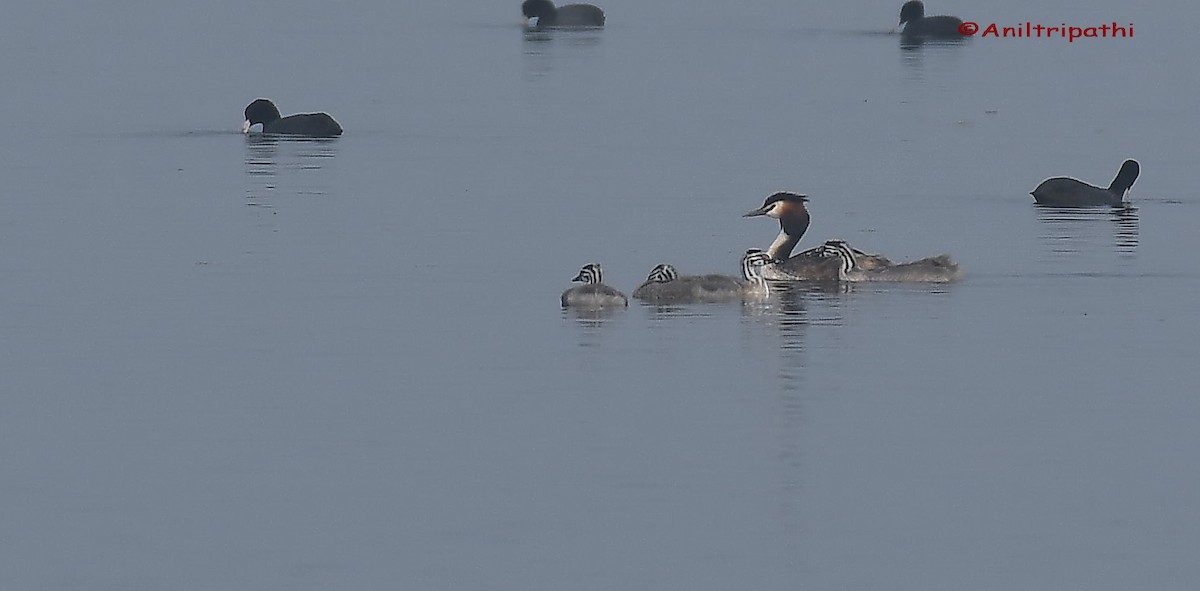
(248, 363)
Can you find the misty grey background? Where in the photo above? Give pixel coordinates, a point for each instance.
(228, 363)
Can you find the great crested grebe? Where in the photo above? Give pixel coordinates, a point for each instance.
(665, 285)
(928, 27)
(593, 293)
(306, 124)
(939, 269)
(811, 265)
(570, 15)
(1068, 192)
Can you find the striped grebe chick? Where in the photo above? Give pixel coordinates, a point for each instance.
(938, 269)
(665, 285)
(1069, 192)
(593, 293)
(810, 265)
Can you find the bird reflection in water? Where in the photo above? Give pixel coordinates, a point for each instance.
(790, 312)
(1071, 230)
(549, 49)
(592, 319)
(282, 165)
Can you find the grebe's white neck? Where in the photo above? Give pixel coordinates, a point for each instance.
(783, 246)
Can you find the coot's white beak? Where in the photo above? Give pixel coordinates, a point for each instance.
(246, 126)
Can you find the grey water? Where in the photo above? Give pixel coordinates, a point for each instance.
(235, 362)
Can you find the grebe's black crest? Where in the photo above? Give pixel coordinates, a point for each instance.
(783, 198)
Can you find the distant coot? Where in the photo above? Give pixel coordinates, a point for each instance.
(930, 27)
(570, 15)
(307, 124)
(1063, 191)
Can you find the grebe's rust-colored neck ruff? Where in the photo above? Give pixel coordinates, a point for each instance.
(793, 218)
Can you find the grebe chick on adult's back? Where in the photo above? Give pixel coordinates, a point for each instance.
(811, 265)
(938, 269)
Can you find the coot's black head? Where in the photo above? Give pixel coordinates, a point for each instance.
(1125, 177)
(911, 11)
(261, 111)
(538, 9)
(1130, 168)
